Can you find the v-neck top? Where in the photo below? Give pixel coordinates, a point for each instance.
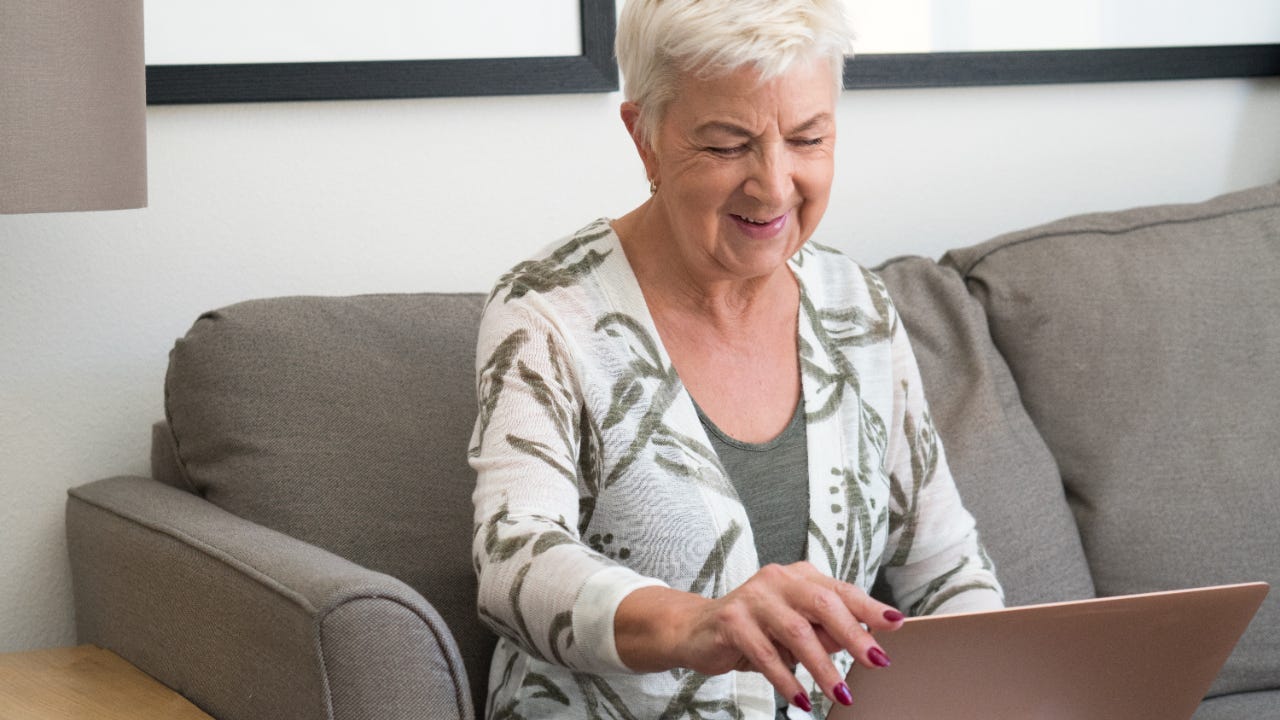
(772, 480)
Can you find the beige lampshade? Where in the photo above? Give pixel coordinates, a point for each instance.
(73, 101)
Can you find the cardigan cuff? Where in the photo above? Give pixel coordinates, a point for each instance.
(594, 610)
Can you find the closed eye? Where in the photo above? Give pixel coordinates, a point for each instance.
(727, 151)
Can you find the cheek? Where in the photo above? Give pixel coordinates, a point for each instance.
(814, 182)
(820, 171)
(710, 187)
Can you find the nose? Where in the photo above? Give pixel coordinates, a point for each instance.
(771, 181)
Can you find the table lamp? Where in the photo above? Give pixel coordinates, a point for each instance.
(72, 106)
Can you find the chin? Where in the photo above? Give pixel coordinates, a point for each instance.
(758, 261)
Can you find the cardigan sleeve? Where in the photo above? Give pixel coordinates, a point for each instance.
(934, 560)
(540, 586)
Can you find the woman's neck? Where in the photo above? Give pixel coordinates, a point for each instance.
(675, 286)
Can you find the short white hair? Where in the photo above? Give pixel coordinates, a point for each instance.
(659, 39)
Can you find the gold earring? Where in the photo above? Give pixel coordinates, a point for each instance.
(653, 186)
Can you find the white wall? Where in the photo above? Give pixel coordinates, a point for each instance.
(442, 194)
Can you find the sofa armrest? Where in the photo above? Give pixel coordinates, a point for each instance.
(250, 623)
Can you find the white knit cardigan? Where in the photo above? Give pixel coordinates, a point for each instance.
(595, 478)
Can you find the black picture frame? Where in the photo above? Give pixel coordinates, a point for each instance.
(1033, 67)
(595, 70)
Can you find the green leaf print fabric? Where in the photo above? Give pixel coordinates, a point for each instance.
(595, 478)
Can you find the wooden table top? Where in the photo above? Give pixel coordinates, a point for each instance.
(84, 682)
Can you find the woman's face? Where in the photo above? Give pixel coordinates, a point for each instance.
(744, 169)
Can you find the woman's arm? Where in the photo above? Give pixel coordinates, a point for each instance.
(540, 586)
(934, 561)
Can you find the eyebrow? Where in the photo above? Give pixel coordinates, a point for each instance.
(738, 130)
(811, 123)
(724, 127)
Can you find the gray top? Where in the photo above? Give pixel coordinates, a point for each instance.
(772, 479)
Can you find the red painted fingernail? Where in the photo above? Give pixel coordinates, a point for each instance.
(878, 658)
(893, 615)
(841, 692)
(802, 701)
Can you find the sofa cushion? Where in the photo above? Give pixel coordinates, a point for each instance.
(1146, 347)
(343, 422)
(1004, 471)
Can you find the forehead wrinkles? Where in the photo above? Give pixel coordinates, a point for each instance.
(819, 121)
(788, 103)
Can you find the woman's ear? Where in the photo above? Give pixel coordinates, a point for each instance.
(631, 118)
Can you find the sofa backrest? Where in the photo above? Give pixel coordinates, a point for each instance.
(1002, 467)
(344, 422)
(1146, 347)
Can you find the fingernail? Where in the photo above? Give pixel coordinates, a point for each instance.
(893, 615)
(802, 701)
(841, 692)
(878, 658)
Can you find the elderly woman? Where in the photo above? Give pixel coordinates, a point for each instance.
(701, 436)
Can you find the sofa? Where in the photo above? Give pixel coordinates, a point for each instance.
(1107, 387)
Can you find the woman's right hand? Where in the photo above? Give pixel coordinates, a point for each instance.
(781, 616)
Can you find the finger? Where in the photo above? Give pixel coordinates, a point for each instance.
(763, 656)
(842, 610)
(744, 664)
(830, 644)
(787, 658)
(875, 614)
(874, 655)
(793, 631)
(795, 628)
(869, 611)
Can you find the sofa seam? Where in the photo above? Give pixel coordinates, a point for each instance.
(259, 576)
(317, 640)
(172, 435)
(441, 641)
(172, 432)
(1113, 232)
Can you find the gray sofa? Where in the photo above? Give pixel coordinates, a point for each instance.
(1107, 386)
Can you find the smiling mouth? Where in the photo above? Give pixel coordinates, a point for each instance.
(761, 229)
(755, 221)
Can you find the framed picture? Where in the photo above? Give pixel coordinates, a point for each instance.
(276, 50)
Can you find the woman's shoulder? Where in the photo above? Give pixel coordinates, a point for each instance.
(563, 288)
(562, 265)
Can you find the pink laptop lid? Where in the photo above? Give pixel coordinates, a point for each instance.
(1136, 657)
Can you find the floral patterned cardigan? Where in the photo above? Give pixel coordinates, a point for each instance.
(595, 478)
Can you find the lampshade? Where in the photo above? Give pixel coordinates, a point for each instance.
(73, 101)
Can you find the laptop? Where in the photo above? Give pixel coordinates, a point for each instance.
(1135, 657)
